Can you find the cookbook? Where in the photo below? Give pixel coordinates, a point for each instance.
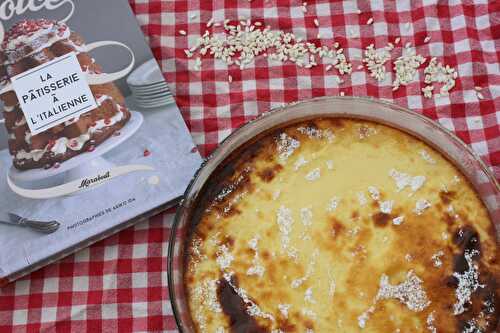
(91, 140)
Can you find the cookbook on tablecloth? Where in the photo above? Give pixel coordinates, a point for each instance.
(91, 136)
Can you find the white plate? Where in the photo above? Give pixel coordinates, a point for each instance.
(153, 101)
(152, 97)
(147, 73)
(166, 101)
(149, 86)
(156, 102)
(156, 106)
(151, 92)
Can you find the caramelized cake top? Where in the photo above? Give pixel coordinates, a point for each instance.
(341, 225)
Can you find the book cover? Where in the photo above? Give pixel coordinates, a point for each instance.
(91, 139)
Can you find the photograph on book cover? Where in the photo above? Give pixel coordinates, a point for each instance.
(91, 135)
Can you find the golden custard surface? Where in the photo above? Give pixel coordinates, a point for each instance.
(340, 225)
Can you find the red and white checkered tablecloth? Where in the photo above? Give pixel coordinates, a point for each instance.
(120, 284)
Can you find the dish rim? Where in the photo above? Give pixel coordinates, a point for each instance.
(282, 109)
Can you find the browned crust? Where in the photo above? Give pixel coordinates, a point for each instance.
(237, 165)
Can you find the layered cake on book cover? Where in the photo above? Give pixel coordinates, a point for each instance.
(29, 44)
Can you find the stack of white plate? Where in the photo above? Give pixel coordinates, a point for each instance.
(148, 86)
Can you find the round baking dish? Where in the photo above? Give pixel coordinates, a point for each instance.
(430, 132)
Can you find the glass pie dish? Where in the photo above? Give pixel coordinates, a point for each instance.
(428, 131)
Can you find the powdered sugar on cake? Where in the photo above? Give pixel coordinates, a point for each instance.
(436, 259)
(284, 309)
(276, 194)
(427, 157)
(366, 131)
(386, 206)
(363, 318)
(306, 216)
(374, 193)
(308, 296)
(404, 180)
(257, 268)
(224, 257)
(206, 292)
(300, 162)
(314, 133)
(398, 220)
(468, 282)
(286, 145)
(313, 175)
(310, 270)
(332, 285)
(308, 313)
(421, 205)
(284, 220)
(333, 204)
(361, 198)
(251, 308)
(409, 292)
(430, 323)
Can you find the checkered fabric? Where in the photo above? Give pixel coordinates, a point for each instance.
(120, 284)
(464, 35)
